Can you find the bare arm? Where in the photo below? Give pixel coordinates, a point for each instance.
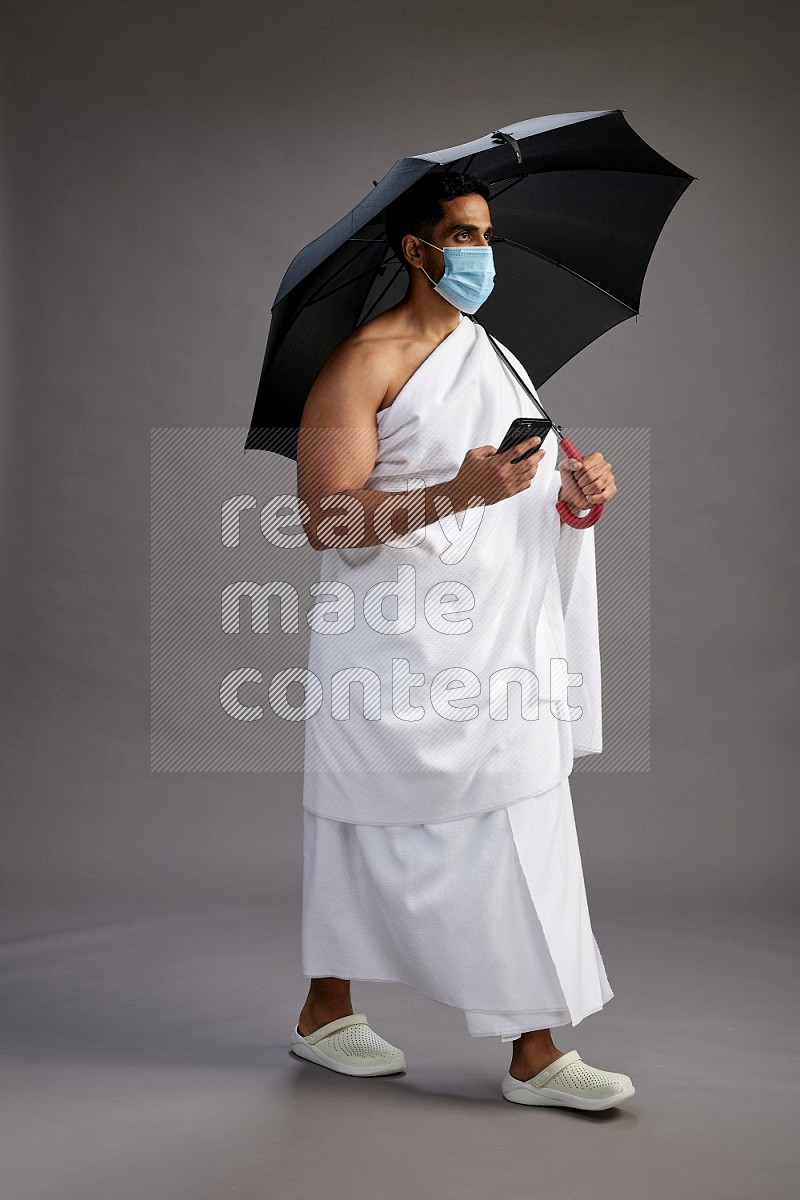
(338, 443)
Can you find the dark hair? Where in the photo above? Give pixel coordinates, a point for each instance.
(419, 209)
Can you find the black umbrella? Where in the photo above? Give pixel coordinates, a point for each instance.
(578, 201)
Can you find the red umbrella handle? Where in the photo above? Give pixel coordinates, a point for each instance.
(563, 508)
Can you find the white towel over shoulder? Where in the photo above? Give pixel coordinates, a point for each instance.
(428, 647)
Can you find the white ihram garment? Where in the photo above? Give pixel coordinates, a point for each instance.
(485, 913)
(442, 853)
(383, 752)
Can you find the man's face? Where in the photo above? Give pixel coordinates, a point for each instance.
(467, 222)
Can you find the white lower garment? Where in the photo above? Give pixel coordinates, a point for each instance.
(485, 913)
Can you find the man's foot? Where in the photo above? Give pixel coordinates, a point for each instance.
(328, 999)
(348, 1045)
(532, 1055)
(530, 1066)
(314, 1016)
(569, 1082)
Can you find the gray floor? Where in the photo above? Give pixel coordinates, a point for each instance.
(145, 1055)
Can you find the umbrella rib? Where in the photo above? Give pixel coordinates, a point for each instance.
(502, 191)
(564, 267)
(378, 298)
(324, 295)
(338, 271)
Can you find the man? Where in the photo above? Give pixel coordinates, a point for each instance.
(439, 839)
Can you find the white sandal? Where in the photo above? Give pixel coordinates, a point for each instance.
(570, 1082)
(349, 1046)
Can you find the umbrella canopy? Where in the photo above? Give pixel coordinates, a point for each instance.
(578, 201)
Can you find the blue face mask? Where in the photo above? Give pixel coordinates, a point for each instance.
(468, 276)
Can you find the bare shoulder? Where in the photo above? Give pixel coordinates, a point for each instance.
(360, 371)
(368, 369)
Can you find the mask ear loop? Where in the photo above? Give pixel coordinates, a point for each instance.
(427, 243)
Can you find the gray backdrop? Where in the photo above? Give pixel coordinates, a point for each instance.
(162, 167)
(162, 164)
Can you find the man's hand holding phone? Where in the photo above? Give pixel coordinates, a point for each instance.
(487, 474)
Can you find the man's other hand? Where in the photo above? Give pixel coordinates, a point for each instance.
(586, 483)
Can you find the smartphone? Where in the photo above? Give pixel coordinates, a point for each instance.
(522, 428)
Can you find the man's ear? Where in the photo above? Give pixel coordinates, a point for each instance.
(410, 247)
